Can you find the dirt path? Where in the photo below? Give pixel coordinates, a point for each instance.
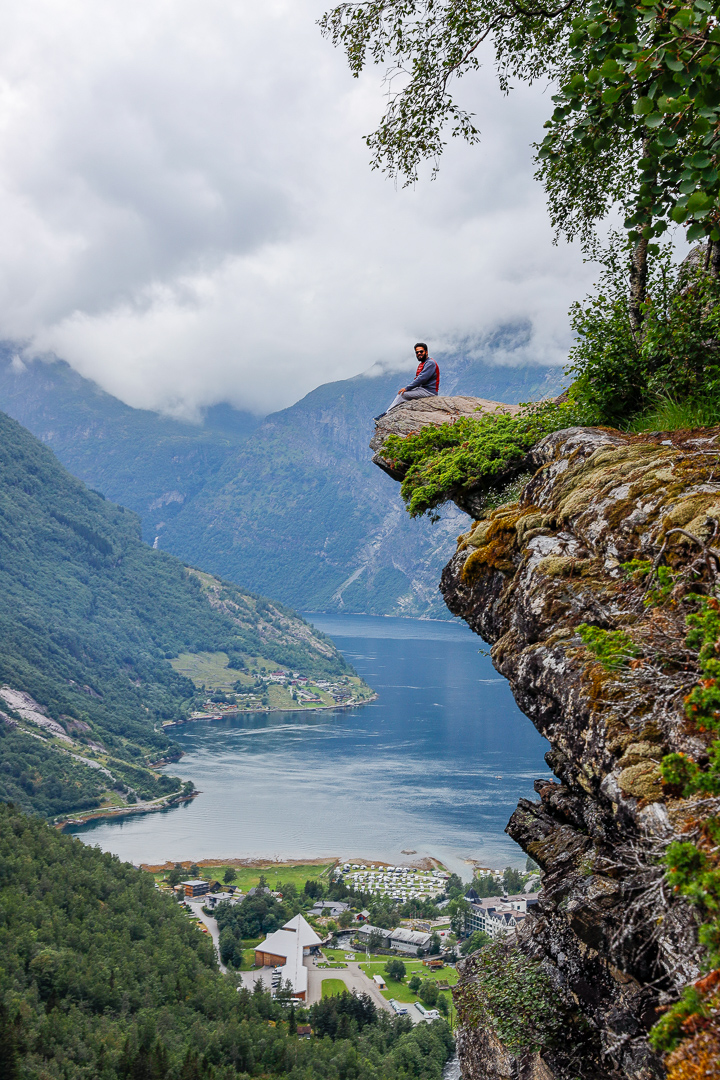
(212, 927)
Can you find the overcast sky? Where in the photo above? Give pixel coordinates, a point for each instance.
(188, 213)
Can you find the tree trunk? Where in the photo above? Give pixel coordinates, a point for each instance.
(638, 284)
(714, 257)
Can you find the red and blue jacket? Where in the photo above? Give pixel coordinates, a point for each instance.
(427, 376)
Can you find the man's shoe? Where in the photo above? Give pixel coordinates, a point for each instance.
(380, 416)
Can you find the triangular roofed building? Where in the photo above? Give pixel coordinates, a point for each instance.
(285, 949)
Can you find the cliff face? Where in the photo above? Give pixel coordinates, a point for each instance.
(614, 941)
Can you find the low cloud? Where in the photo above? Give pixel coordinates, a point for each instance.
(189, 215)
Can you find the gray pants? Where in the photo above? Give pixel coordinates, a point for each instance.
(410, 395)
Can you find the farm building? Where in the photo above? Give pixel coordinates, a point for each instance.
(285, 949)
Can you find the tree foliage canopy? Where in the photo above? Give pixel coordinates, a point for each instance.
(424, 45)
(637, 116)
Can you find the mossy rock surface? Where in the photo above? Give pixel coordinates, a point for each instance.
(610, 701)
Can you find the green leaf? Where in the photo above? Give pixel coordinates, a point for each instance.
(699, 201)
(679, 214)
(695, 232)
(684, 18)
(667, 137)
(609, 68)
(611, 95)
(674, 64)
(643, 106)
(686, 186)
(654, 120)
(700, 161)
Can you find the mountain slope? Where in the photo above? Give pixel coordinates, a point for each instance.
(291, 507)
(133, 456)
(90, 618)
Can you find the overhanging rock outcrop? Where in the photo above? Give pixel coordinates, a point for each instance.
(611, 936)
(413, 416)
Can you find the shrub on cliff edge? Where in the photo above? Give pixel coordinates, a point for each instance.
(472, 453)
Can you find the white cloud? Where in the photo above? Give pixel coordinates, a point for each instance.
(189, 216)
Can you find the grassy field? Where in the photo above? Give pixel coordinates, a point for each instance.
(246, 877)
(339, 954)
(208, 668)
(400, 990)
(330, 987)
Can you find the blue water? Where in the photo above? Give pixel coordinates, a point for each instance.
(436, 764)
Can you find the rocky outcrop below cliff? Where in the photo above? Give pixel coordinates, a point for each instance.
(614, 941)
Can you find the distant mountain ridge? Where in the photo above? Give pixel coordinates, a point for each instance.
(289, 506)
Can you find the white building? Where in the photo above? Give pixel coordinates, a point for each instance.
(497, 916)
(285, 949)
(214, 898)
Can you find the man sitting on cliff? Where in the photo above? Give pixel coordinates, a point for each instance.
(425, 384)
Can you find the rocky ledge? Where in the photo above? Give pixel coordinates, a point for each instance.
(413, 416)
(614, 941)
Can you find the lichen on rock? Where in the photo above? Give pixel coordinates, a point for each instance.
(592, 639)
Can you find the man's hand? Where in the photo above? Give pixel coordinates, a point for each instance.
(401, 390)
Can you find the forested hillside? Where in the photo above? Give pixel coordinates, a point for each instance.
(105, 977)
(90, 618)
(292, 507)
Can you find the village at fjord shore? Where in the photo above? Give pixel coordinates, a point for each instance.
(308, 930)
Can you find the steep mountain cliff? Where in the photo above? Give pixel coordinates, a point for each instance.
(586, 585)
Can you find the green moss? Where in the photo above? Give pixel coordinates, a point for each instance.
(613, 648)
(471, 453)
(693, 868)
(668, 1031)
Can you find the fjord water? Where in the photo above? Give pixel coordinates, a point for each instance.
(435, 765)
